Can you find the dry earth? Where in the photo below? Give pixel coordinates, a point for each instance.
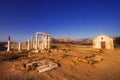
(70, 69)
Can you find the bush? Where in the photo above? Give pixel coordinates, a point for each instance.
(117, 42)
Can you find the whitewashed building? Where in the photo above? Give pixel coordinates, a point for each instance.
(103, 42)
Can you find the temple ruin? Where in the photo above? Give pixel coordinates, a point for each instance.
(41, 41)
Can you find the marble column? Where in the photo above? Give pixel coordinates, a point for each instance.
(36, 46)
(28, 45)
(49, 42)
(31, 43)
(38, 43)
(9, 44)
(19, 46)
(45, 42)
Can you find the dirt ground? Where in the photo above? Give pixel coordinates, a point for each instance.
(70, 68)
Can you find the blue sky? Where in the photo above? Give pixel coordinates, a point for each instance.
(21, 19)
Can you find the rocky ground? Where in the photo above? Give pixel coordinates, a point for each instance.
(71, 65)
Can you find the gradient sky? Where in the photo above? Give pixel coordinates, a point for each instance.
(21, 19)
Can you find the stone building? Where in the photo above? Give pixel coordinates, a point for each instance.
(103, 42)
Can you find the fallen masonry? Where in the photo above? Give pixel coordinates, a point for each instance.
(91, 59)
(46, 67)
(40, 66)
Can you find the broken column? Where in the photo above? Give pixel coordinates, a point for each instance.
(9, 44)
(33, 42)
(19, 46)
(28, 45)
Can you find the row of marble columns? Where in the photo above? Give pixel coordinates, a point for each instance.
(19, 46)
(35, 43)
(28, 46)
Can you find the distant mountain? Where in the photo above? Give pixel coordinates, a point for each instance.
(72, 40)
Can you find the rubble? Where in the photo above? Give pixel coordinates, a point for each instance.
(91, 58)
(97, 58)
(40, 66)
(20, 66)
(49, 66)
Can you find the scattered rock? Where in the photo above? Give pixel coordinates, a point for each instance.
(84, 60)
(91, 59)
(97, 58)
(20, 66)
